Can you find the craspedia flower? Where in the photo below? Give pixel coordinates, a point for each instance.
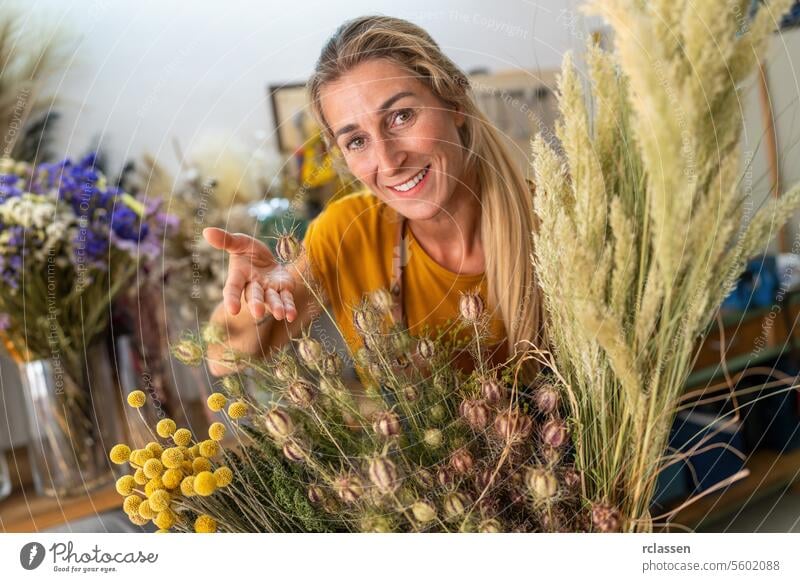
(119, 454)
(166, 428)
(136, 399)
(216, 401)
(172, 478)
(165, 519)
(131, 504)
(154, 448)
(287, 248)
(137, 519)
(216, 431)
(223, 476)
(205, 524)
(125, 485)
(140, 456)
(139, 476)
(470, 306)
(209, 448)
(182, 437)
(153, 485)
(204, 483)
(237, 410)
(159, 500)
(146, 510)
(200, 464)
(187, 486)
(162, 531)
(153, 468)
(172, 458)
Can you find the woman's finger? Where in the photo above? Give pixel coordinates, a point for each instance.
(288, 304)
(275, 304)
(254, 295)
(235, 243)
(232, 292)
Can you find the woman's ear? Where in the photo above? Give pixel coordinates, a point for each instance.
(460, 117)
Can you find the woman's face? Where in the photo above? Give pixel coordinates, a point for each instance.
(396, 136)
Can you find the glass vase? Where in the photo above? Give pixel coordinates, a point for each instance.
(74, 419)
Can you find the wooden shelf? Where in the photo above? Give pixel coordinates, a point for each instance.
(770, 471)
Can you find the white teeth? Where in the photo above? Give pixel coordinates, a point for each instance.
(412, 182)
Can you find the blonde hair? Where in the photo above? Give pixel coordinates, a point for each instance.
(507, 217)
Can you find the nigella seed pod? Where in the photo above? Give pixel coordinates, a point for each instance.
(476, 413)
(349, 488)
(438, 412)
(332, 365)
(287, 249)
(294, 451)
(188, 352)
(490, 526)
(423, 511)
(440, 385)
(366, 320)
(455, 504)
(425, 478)
(512, 425)
(301, 393)
(386, 424)
(484, 478)
(572, 479)
(445, 477)
(551, 455)
(310, 351)
(462, 461)
(488, 507)
(492, 391)
(471, 306)
(286, 370)
(279, 424)
(425, 349)
(554, 433)
(381, 299)
(605, 518)
(433, 438)
(315, 494)
(410, 393)
(542, 483)
(383, 474)
(546, 399)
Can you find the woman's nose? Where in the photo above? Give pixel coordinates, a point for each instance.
(390, 156)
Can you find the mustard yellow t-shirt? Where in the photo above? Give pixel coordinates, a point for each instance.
(351, 245)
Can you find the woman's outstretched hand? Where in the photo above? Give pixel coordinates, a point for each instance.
(268, 286)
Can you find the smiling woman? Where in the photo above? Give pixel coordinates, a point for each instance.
(438, 177)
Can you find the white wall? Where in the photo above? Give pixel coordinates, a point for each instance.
(143, 73)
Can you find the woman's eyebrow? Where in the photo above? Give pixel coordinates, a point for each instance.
(386, 105)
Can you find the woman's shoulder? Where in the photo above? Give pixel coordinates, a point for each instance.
(358, 212)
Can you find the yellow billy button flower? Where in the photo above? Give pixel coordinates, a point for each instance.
(182, 437)
(140, 477)
(165, 519)
(140, 456)
(187, 486)
(172, 478)
(217, 401)
(137, 519)
(200, 464)
(223, 476)
(155, 448)
(209, 448)
(119, 454)
(205, 524)
(125, 485)
(153, 468)
(146, 510)
(204, 483)
(137, 398)
(237, 410)
(153, 485)
(159, 500)
(131, 504)
(216, 431)
(172, 458)
(165, 428)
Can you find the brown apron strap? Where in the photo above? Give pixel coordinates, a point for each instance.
(399, 258)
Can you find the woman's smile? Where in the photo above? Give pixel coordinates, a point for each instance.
(412, 186)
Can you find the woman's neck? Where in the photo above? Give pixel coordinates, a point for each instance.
(452, 237)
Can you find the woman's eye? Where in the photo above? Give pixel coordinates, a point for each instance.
(356, 143)
(403, 116)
